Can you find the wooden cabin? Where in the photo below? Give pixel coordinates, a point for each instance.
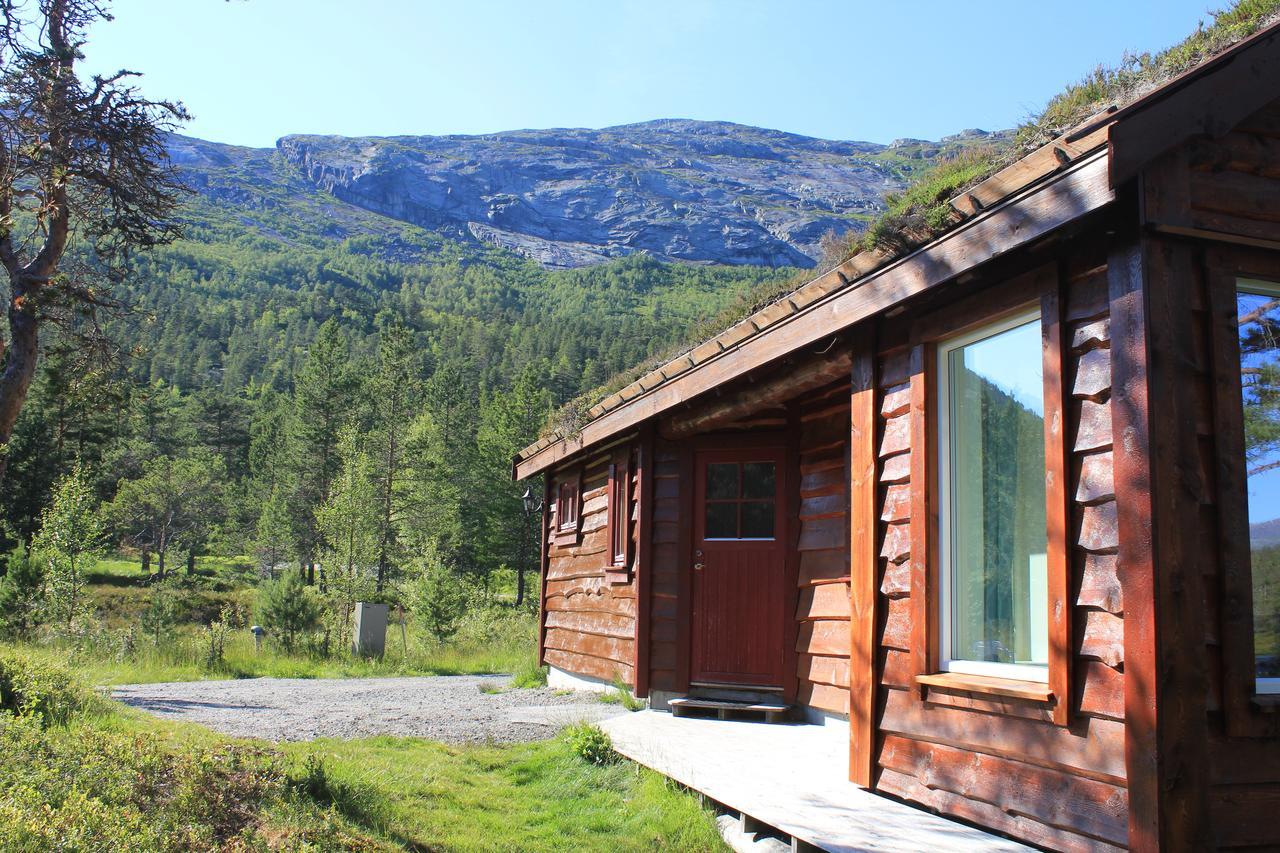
(839, 502)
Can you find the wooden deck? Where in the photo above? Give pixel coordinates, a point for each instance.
(790, 777)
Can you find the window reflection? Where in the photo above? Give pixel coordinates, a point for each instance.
(1258, 315)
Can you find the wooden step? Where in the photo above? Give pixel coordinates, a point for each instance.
(771, 712)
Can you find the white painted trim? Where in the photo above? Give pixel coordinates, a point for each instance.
(1021, 672)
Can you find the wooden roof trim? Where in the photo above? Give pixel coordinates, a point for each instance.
(1014, 222)
(1211, 98)
(1018, 176)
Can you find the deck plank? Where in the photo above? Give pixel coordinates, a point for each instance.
(791, 777)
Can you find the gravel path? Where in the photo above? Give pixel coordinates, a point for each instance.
(450, 708)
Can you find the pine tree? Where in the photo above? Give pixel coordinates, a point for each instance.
(395, 391)
(508, 422)
(274, 542)
(323, 402)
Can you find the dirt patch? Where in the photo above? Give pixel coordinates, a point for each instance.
(449, 708)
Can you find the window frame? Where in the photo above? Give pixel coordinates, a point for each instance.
(942, 424)
(619, 508)
(1247, 712)
(1254, 286)
(1049, 701)
(569, 496)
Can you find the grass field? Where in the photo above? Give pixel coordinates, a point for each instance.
(491, 639)
(84, 773)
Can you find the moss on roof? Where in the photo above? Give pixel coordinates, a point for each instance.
(925, 210)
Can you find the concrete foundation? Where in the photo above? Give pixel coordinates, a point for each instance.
(561, 679)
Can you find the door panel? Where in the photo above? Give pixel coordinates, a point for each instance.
(739, 578)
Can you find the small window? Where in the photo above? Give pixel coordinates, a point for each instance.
(993, 578)
(620, 509)
(568, 507)
(741, 500)
(1258, 312)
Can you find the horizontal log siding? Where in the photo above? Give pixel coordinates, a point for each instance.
(665, 566)
(997, 761)
(589, 622)
(1233, 182)
(822, 611)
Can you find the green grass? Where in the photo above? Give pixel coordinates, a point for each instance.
(535, 796)
(183, 659)
(491, 640)
(86, 773)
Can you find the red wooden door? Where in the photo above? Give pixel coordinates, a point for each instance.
(739, 561)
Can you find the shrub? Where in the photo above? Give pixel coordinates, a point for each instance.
(439, 600)
(162, 612)
(38, 689)
(215, 638)
(590, 743)
(21, 592)
(287, 609)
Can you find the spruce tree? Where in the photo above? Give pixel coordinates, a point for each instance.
(323, 402)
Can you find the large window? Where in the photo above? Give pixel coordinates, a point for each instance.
(993, 579)
(1258, 311)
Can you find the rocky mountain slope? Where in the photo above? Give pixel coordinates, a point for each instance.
(702, 192)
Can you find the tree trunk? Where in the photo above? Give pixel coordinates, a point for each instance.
(311, 574)
(191, 562)
(146, 562)
(22, 354)
(160, 565)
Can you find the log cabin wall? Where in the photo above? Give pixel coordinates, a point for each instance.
(998, 761)
(664, 588)
(1221, 192)
(589, 620)
(822, 642)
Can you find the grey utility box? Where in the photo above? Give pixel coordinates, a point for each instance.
(370, 638)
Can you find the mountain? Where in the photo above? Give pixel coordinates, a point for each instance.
(677, 190)
(1264, 534)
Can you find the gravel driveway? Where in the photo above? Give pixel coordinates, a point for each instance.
(450, 708)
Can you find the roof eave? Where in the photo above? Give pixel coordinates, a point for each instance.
(1019, 220)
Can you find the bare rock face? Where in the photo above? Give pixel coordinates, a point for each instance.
(679, 190)
(690, 191)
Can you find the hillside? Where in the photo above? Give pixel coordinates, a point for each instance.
(677, 190)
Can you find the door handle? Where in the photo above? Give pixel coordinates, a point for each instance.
(697, 567)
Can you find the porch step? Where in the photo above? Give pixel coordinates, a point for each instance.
(725, 709)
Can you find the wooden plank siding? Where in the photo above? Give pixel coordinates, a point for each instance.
(999, 760)
(822, 611)
(588, 619)
(664, 565)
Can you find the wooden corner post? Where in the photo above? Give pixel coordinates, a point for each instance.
(863, 589)
(644, 557)
(1151, 286)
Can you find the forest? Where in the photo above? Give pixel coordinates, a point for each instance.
(345, 411)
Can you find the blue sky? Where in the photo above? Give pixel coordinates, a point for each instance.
(254, 70)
